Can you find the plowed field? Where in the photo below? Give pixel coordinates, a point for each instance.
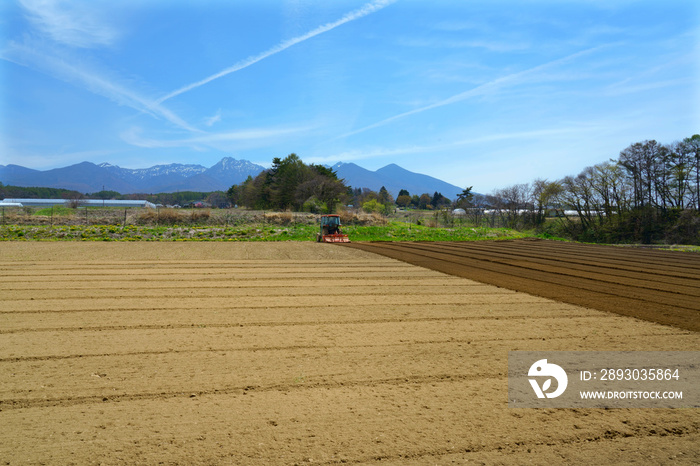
(297, 353)
(659, 286)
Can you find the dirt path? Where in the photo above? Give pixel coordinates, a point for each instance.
(299, 353)
(658, 286)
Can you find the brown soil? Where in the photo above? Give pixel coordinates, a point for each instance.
(658, 286)
(297, 353)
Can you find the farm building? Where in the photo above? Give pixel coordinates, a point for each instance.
(82, 203)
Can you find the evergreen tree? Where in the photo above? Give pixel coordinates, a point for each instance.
(290, 184)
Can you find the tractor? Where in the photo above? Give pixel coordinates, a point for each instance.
(330, 230)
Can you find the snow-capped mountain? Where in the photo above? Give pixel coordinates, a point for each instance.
(152, 178)
(88, 177)
(177, 169)
(229, 167)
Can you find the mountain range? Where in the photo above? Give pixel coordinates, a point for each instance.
(394, 179)
(87, 177)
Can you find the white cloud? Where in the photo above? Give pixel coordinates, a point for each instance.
(489, 45)
(483, 89)
(625, 88)
(357, 14)
(213, 119)
(459, 25)
(61, 66)
(77, 24)
(134, 137)
(571, 130)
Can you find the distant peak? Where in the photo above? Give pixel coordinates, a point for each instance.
(227, 161)
(346, 164)
(392, 167)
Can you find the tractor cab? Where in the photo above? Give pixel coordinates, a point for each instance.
(330, 230)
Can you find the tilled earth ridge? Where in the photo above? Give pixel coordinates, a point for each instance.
(295, 353)
(658, 286)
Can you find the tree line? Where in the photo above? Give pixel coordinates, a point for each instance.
(290, 184)
(650, 193)
(19, 192)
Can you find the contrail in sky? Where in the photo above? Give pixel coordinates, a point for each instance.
(482, 89)
(65, 69)
(353, 15)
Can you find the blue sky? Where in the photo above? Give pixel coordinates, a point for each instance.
(477, 93)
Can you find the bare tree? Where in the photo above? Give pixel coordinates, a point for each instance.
(690, 147)
(544, 193)
(510, 202)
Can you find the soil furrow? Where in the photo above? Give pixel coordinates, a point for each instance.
(277, 324)
(475, 299)
(607, 253)
(23, 403)
(650, 305)
(238, 293)
(559, 278)
(451, 340)
(230, 282)
(642, 272)
(300, 353)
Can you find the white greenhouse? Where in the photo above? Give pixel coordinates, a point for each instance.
(81, 203)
